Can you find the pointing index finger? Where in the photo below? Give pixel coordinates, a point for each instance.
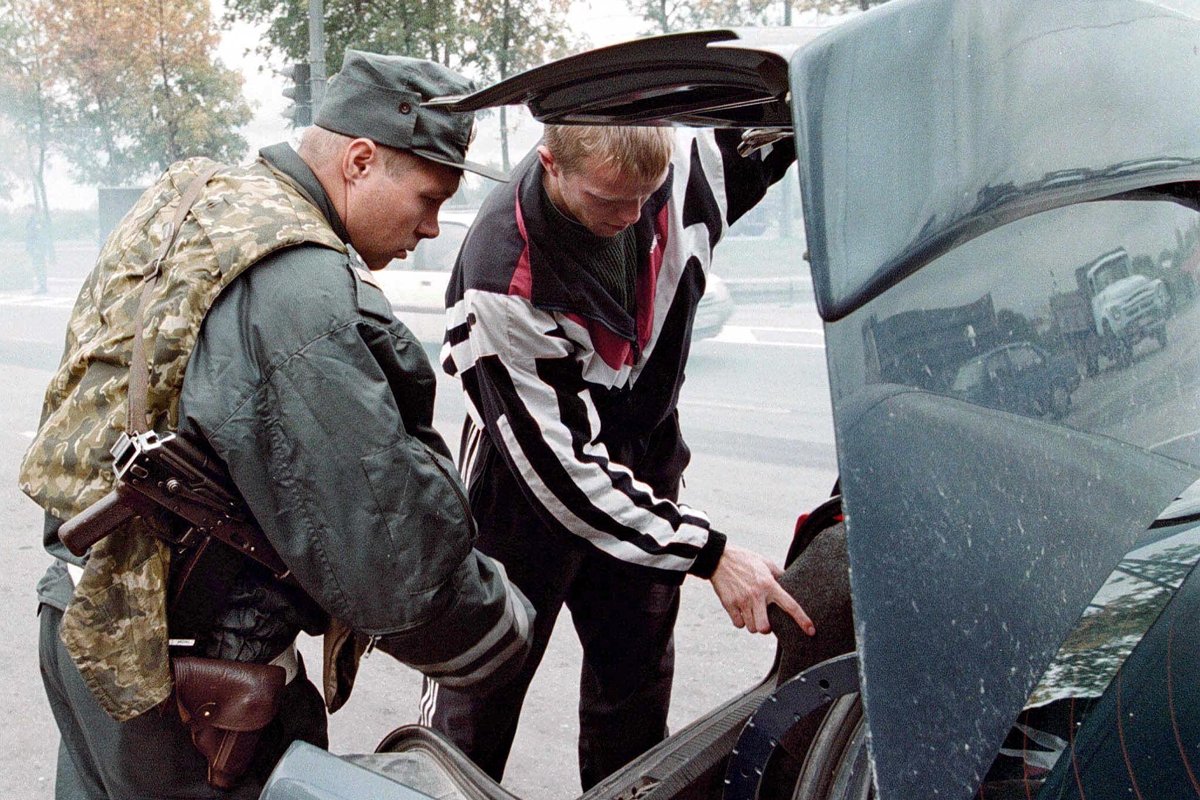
(790, 607)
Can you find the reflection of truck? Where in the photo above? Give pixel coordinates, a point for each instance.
(1110, 311)
(925, 348)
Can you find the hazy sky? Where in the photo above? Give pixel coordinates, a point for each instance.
(604, 21)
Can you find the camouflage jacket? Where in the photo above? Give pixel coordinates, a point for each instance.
(115, 627)
(321, 405)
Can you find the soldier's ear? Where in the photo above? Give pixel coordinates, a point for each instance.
(359, 158)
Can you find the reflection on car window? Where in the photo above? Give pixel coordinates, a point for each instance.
(1108, 275)
(1024, 358)
(1121, 614)
(970, 375)
(1089, 305)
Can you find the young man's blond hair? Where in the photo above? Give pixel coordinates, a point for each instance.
(641, 153)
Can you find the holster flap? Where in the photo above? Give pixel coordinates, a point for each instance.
(228, 695)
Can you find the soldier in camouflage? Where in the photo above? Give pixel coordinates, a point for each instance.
(270, 346)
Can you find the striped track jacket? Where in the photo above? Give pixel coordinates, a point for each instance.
(578, 397)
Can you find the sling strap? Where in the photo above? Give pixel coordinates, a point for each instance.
(139, 368)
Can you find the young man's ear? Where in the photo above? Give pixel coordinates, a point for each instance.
(547, 159)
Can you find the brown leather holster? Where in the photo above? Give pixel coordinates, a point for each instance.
(225, 705)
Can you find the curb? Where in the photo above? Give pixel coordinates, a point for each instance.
(784, 289)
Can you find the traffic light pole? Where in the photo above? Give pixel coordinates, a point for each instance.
(316, 50)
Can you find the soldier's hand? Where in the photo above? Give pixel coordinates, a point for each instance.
(746, 584)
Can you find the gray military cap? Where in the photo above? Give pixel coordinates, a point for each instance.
(380, 98)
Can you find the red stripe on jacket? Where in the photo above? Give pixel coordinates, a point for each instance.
(522, 279)
(614, 349)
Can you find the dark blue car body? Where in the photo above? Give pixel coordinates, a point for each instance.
(1018, 377)
(1025, 602)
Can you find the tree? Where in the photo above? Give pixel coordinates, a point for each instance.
(196, 104)
(428, 29)
(26, 97)
(141, 86)
(671, 16)
(487, 39)
(508, 36)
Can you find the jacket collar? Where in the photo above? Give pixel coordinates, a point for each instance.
(560, 281)
(286, 160)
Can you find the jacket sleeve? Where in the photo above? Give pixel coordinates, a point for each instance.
(334, 451)
(535, 406)
(747, 178)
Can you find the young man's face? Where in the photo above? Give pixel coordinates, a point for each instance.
(389, 211)
(597, 194)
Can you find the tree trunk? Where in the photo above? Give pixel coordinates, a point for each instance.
(785, 206)
(505, 49)
(171, 123)
(504, 137)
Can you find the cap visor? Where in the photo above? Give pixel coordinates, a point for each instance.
(469, 166)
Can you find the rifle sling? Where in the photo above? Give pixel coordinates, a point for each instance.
(139, 369)
(218, 570)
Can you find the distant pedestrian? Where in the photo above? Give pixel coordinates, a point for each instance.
(37, 246)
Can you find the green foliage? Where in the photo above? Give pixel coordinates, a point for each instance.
(28, 106)
(143, 87)
(485, 39)
(504, 37)
(420, 28)
(121, 89)
(671, 16)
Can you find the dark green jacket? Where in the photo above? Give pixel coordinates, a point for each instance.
(321, 405)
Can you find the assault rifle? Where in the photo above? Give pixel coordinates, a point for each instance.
(166, 472)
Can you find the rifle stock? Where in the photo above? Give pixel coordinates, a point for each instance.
(167, 473)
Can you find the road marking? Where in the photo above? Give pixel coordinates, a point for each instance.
(811, 331)
(735, 407)
(750, 334)
(35, 301)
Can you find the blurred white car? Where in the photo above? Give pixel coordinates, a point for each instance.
(716, 306)
(416, 286)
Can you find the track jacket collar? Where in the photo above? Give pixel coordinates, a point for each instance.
(560, 281)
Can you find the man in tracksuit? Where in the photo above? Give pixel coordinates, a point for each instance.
(569, 323)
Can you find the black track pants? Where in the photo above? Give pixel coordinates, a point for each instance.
(625, 623)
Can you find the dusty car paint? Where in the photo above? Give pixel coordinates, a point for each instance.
(959, 161)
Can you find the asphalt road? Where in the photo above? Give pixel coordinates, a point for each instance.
(755, 410)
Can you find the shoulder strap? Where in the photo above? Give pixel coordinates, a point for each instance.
(139, 369)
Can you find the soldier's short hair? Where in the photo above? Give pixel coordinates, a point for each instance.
(638, 152)
(320, 146)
